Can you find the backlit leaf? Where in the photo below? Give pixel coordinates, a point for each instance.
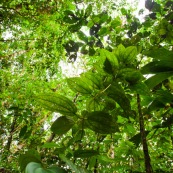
(156, 79)
(57, 103)
(110, 61)
(85, 153)
(130, 54)
(116, 92)
(140, 88)
(80, 85)
(157, 67)
(101, 122)
(62, 125)
(160, 54)
(49, 145)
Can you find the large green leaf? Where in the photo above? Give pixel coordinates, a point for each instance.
(108, 67)
(85, 153)
(164, 96)
(57, 103)
(110, 61)
(130, 54)
(130, 75)
(80, 84)
(158, 78)
(116, 92)
(30, 156)
(160, 54)
(101, 122)
(157, 67)
(32, 166)
(94, 78)
(93, 104)
(62, 125)
(120, 52)
(140, 88)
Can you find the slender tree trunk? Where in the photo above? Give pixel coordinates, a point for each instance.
(148, 166)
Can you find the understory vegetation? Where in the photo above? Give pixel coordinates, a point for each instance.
(86, 86)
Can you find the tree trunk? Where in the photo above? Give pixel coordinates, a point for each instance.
(148, 166)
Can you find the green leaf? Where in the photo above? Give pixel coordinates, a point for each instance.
(62, 125)
(130, 75)
(158, 78)
(88, 10)
(160, 54)
(110, 60)
(85, 153)
(130, 54)
(82, 36)
(155, 105)
(164, 96)
(57, 103)
(93, 104)
(81, 85)
(108, 67)
(120, 52)
(75, 27)
(30, 156)
(70, 17)
(157, 67)
(94, 78)
(140, 88)
(101, 122)
(79, 134)
(136, 139)
(116, 92)
(49, 145)
(105, 159)
(104, 18)
(31, 167)
(103, 31)
(23, 131)
(34, 167)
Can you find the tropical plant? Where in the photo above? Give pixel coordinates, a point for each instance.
(115, 116)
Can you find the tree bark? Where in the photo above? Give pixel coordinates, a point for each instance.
(148, 166)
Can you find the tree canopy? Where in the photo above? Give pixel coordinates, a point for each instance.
(115, 115)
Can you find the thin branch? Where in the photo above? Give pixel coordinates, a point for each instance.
(51, 137)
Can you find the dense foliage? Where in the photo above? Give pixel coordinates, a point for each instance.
(115, 116)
